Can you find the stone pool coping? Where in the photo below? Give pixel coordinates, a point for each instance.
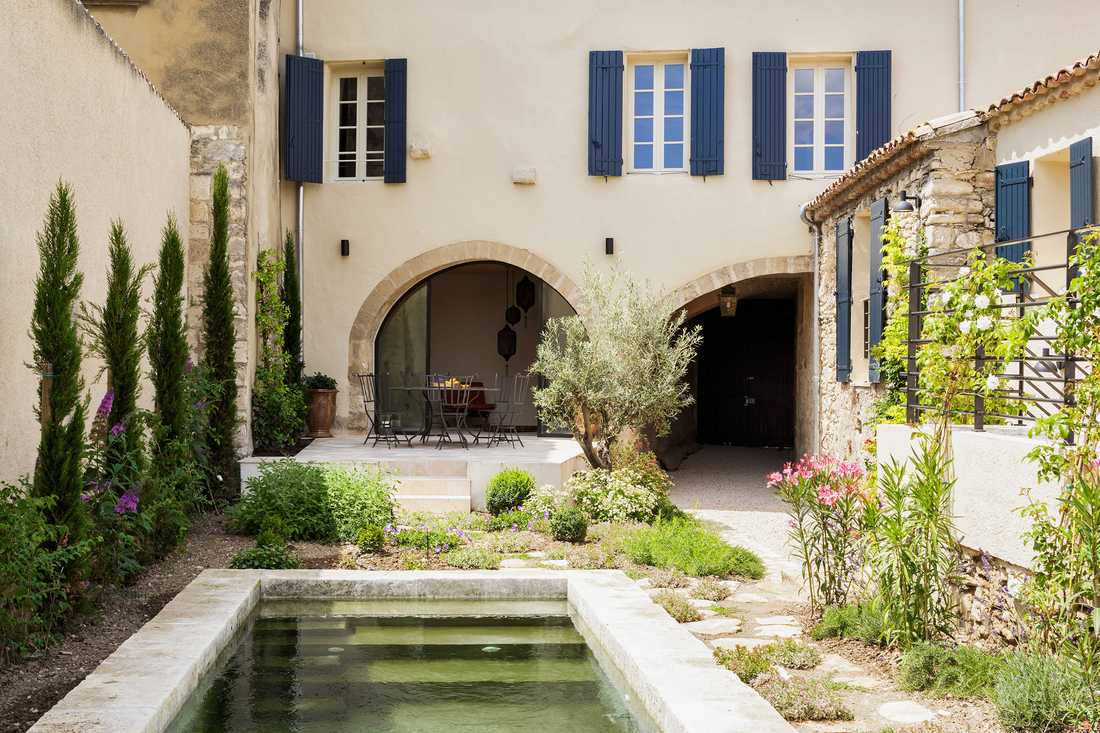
(142, 686)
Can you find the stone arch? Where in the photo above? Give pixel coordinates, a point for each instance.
(390, 288)
(734, 273)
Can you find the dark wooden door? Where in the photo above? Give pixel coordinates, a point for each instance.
(746, 375)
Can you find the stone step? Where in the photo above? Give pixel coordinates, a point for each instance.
(433, 486)
(419, 466)
(433, 503)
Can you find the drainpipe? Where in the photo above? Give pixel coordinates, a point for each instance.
(301, 215)
(962, 55)
(815, 346)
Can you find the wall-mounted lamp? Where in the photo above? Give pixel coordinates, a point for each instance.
(727, 301)
(345, 248)
(905, 204)
(609, 245)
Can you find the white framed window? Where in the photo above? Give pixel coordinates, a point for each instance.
(657, 127)
(360, 126)
(821, 117)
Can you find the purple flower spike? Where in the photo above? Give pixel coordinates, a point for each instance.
(117, 430)
(106, 403)
(189, 364)
(126, 503)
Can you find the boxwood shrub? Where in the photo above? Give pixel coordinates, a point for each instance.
(508, 489)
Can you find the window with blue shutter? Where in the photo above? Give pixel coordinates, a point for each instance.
(1081, 184)
(708, 102)
(396, 73)
(872, 101)
(1012, 209)
(876, 306)
(304, 123)
(844, 300)
(769, 115)
(605, 113)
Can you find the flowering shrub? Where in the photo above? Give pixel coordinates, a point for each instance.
(825, 499)
(1063, 597)
(966, 318)
(620, 495)
(546, 500)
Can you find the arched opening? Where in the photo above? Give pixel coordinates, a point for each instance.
(477, 319)
(752, 375)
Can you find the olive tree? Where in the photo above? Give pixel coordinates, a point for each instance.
(620, 368)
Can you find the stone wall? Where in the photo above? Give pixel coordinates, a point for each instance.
(952, 172)
(988, 610)
(211, 146)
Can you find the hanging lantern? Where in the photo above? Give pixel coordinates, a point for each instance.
(727, 301)
(506, 342)
(525, 293)
(512, 315)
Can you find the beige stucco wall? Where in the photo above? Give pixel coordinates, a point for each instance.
(497, 85)
(992, 477)
(197, 51)
(86, 116)
(1011, 43)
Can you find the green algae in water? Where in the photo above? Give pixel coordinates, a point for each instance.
(313, 673)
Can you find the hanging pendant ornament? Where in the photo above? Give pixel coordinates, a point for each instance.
(506, 343)
(525, 295)
(512, 315)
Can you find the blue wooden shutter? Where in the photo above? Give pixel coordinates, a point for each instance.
(843, 300)
(1081, 184)
(769, 115)
(305, 114)
(1013, 209)
(393, 167)
(877, 301)
(708, 102)
(605, 113)
(872, 101)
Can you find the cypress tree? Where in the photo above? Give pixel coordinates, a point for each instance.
(167, 337)
(219, 340)
(57, 349)
(292, 334)
(113, 328)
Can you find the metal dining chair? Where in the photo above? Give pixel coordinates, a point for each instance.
(502, 428)
(454, 408)
(381, 425)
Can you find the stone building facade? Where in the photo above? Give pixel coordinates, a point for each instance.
(948, 164)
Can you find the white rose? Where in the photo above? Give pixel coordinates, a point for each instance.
(964, 326)
(991, 382)
(981, 302)
(985, 323)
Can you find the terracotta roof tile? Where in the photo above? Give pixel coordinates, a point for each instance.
(1042, 86)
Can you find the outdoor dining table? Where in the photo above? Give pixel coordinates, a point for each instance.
(443, 386)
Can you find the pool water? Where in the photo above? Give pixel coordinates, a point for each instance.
(356, 666)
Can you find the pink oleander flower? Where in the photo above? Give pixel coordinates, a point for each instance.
(127, 503)
(775, 478)
(105, 404)
(827, 495)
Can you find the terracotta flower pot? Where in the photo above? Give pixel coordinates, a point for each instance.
(322, 411)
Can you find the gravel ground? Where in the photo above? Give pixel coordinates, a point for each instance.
(723, 477)
(31, 687)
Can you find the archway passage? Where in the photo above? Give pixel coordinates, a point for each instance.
(751, 380)
(479, 320)
(745, 384)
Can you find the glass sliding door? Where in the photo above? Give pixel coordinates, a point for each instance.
(401, 358)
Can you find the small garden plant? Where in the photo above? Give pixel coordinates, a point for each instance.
(508, 490)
